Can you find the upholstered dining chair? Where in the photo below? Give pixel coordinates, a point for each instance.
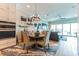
(45, 41)
(26, 41)
(23, 39)
(44, 33)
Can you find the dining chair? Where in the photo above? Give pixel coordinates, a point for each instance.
(23, 40)
(26, 41)
(44, 33)
(45, 41)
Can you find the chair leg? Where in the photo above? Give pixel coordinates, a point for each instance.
(45, 49)
(17, 40)
(48, 46)
(23, 46)
(27, 50)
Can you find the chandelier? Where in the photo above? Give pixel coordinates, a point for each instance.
(35, 17)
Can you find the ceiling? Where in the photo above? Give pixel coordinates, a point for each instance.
(49, 11)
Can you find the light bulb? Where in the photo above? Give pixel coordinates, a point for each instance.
(28, 6)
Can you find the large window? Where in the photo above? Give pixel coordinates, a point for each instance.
(74, 29)
(53, 27)
(66, 29)
(59, 29)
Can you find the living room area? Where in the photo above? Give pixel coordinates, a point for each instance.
(38, 29)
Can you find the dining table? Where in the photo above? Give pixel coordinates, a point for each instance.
(36, 38)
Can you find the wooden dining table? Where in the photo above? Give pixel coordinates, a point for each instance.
(36, 38)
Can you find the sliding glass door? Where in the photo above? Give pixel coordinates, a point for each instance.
(66, 29)
(53, 28)
(69, 29)
(74, 29)
(59, 29)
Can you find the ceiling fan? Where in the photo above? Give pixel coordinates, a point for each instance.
(76, 5)
(60, 17)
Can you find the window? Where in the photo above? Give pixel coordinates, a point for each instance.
(44, 26)
(66, 29)
(41, 26)
(53, 27)
(59, 29)
(74, 29)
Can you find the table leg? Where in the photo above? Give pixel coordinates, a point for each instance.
(36, 45)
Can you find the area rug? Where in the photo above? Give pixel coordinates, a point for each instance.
(14, 51)
(18, 51)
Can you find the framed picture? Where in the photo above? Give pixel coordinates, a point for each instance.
(23, 19)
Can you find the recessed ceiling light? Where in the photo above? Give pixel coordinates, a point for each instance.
(28, 6)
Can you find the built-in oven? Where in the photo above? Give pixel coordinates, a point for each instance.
(7, 29)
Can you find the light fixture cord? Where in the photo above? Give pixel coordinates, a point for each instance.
(36, 10)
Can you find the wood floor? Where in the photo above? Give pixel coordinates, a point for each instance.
(65, 48)
(68, 48)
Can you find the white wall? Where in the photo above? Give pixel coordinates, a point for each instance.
(19, 13)
(8, 12)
